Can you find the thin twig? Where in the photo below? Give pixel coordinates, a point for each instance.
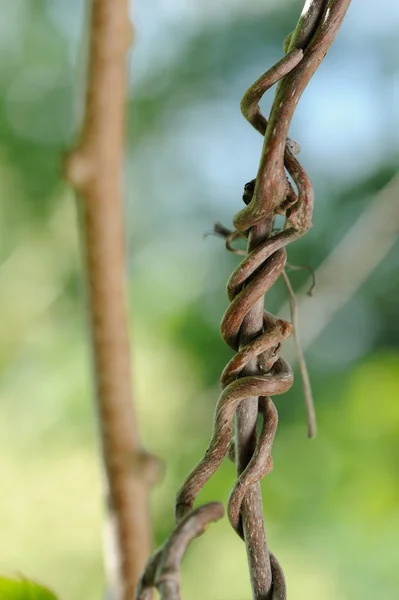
(307, 388)
(94, 169)
(367, 243)
(163, 568)
(309, 269)
(229, 237)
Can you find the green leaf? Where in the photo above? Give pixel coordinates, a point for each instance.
(23, 589)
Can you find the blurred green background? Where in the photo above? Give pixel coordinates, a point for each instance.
(331, 504)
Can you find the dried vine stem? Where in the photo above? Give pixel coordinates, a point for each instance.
(163, 568)
(257, 371)
(229, 236)
(94, 169)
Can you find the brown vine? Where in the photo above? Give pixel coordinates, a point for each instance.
(163, 569)
(257, 371)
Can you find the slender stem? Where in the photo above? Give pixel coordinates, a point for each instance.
(315, 35)
(246, 419)
(94, 169)
(307, 387)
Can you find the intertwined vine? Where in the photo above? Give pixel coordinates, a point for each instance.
(257, 371)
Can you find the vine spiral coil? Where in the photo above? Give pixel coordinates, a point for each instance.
(257, 371)
(248, 284)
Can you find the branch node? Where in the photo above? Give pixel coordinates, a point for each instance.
(149, 466)
(78, 169)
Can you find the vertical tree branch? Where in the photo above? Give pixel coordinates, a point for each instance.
(94, 169)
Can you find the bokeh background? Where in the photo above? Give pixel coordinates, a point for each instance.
(331, 504)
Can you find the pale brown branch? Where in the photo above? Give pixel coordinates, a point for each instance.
(94, 169)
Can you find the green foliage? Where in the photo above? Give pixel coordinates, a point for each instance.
(23, 589)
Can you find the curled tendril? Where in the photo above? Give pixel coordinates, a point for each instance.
(257, 371)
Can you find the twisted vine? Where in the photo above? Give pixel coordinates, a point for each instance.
(257, 371)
